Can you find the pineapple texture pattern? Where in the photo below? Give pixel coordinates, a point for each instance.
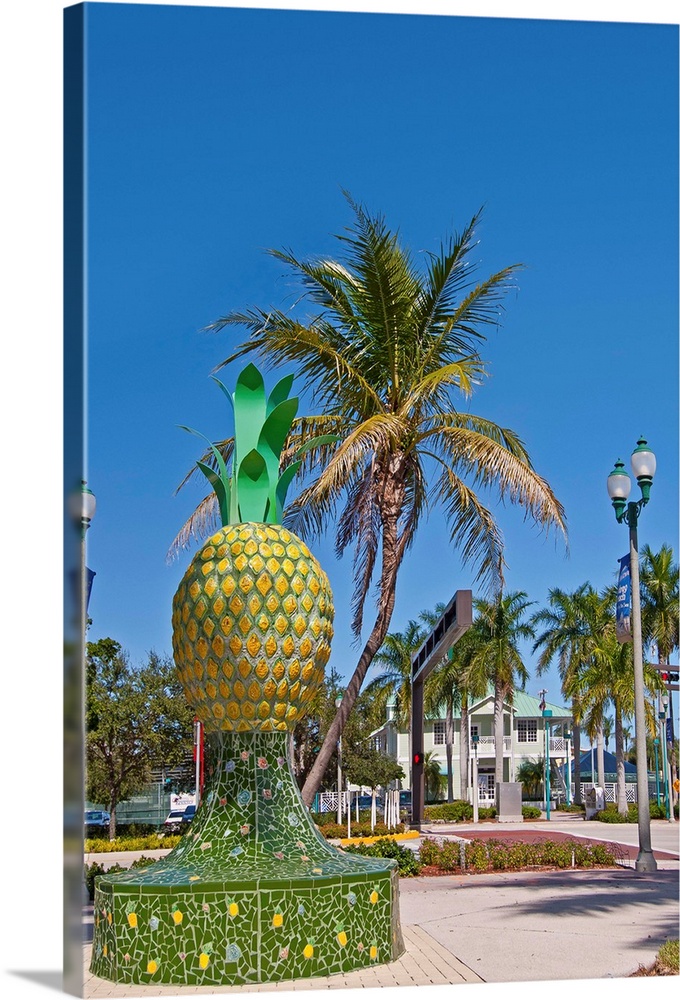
(252, 626)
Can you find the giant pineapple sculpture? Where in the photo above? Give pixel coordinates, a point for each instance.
(252, 618)
(252, 893)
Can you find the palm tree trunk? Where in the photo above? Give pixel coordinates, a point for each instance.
(464, 746)
(393, 547)
(498, 699)
(449, 752)
(600, 758)
(621, 801)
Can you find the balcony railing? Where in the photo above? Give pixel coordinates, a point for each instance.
(486, 745)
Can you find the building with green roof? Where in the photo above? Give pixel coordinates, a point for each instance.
(524, 739)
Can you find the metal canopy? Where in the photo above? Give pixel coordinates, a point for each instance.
(455, 620)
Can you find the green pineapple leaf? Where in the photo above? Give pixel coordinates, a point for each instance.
(253, 487)
(255, 490)
(279, 392)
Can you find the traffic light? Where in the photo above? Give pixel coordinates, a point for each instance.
(669, 678)
(417, 758)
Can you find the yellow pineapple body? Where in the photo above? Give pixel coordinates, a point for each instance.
(252, 626)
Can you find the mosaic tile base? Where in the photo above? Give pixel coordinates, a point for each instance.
(252, 893)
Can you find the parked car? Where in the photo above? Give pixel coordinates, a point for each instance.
(97, 818)
(178, 818)
(365, 802)
(174, 821)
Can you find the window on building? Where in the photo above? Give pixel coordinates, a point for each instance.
(527, 731)
(474, 731)
(439, 733)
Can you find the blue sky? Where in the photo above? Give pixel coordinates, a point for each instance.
(570, 145)
(214, 134)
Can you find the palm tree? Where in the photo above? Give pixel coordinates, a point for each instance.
(659, 600)
(660, 618)
(452, 685)
(608, 680)
(432, 776)
(388, 347)
(394, 657)
(498, 629)
(567, 638)
(531, 774)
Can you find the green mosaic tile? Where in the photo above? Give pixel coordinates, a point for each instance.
(252, 893)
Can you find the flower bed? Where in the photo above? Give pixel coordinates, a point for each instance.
(478, 855)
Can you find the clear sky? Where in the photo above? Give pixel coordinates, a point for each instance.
(212, 145)
(213, 134)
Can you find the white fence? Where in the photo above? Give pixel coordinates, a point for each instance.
(610, 791)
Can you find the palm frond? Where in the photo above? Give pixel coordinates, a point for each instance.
(488, 463)
(204, 521)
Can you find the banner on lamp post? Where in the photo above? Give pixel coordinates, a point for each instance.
(623, 602)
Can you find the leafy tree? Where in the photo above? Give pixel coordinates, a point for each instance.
(498, 629)
(135, 720)
(388, 351)
(365, 765)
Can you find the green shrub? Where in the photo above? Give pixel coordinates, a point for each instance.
(429, 851)
(451, 812)
(531, 812)
(487, 812)
(573, 808)
(92, 871)
(476, 855)
(406, 859)
(449, 856)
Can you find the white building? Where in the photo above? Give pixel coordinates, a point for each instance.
(524, 738)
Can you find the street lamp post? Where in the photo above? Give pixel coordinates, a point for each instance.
(567, 736)
(656, 768)
(338, 702)
(547, 715)
(664, 757)
(643, 463)
(475, 780)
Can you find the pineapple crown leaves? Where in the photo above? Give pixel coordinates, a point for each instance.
(255, 489)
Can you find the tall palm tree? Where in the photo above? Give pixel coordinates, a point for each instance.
(498, 629)
(450, 686)
(394, 680)
(608, 680)
(660, 617)
(659, 600)
(388, 351)
(567, 638)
